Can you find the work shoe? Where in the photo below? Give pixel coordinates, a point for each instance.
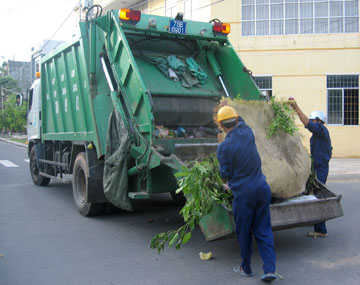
(268, 277)
(315, 234)
(239, 270)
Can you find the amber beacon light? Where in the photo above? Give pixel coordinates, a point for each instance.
(223, 28)
(130, 15)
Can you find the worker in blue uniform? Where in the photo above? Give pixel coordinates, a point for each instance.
(240, 169)
(320, 149)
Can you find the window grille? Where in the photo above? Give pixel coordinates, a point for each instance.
(343, 99)
(264, 84)
(279, 17)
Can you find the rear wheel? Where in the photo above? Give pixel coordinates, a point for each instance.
(80, 188)
(38, 179)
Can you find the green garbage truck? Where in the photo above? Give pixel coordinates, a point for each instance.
(125, 104)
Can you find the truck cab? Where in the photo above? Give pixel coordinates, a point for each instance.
(34, 115)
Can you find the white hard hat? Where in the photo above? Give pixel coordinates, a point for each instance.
(318, 115)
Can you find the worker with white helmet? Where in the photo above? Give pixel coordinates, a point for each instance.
(320, 149)
(240, 168)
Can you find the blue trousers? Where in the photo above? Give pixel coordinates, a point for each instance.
(252, 217)
(321, 174)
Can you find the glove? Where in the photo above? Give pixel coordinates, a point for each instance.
(226, 187)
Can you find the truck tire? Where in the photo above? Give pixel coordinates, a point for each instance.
(38, 179)
(80, 188)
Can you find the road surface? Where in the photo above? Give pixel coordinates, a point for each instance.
(44, 240)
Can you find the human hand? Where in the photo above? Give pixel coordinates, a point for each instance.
(293, 103)
(223, 103)
(226, 187)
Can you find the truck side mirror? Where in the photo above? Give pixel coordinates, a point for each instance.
(19, 99)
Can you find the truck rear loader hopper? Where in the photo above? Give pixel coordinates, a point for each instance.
(97, 109)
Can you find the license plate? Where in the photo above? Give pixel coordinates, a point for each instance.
(177, 27)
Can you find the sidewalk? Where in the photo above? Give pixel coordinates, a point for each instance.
(7, 140)
(343, 169)
(340, 169)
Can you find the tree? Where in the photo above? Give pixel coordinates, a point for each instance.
(13, 117)
(9, 85)
(3, 69)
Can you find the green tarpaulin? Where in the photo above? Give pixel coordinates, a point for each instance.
(189, 72)
(116, 171)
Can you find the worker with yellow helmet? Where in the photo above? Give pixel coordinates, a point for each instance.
(240, 169)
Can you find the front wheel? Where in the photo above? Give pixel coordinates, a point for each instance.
(38, 179)
(80, 188)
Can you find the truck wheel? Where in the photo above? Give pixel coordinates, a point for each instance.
(80, 188)
(38, 179)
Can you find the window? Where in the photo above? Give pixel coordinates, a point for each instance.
(188, 9)
(264, 83)
(285, 17)
(343, 99)
(170, 8)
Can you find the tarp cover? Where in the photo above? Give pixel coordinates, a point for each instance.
(190, 73)
(285, 162)
(116, 172)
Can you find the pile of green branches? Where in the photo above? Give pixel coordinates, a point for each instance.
(282, 118)
(202, 186)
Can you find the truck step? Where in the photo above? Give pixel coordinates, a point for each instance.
(139, 195)
(60, 164)
(64, 180)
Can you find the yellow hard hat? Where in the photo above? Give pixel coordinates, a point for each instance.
(225, 113)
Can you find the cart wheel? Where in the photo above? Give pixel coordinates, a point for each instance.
(38, 179)
(179, 199)
(80, 188)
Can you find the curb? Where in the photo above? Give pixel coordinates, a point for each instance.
(14, 143)
(343, 178)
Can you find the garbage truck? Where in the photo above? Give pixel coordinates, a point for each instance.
(120, 109)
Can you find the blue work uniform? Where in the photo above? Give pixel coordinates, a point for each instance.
(240, 164)
(321, 150)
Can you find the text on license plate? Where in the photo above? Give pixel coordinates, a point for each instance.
(177, 27)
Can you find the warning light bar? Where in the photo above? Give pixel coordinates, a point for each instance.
(219, 27)
(130, 15)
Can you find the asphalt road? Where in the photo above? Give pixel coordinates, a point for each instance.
(44, 240)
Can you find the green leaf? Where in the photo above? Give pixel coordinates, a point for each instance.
(192, 225)
(186, 238)
(186, 214)
(181, 174)
(174, 239)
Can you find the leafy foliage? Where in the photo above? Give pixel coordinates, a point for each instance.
(13, 117)
(282, 119)
(9, 84)
(3, 69)
(202, 186)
